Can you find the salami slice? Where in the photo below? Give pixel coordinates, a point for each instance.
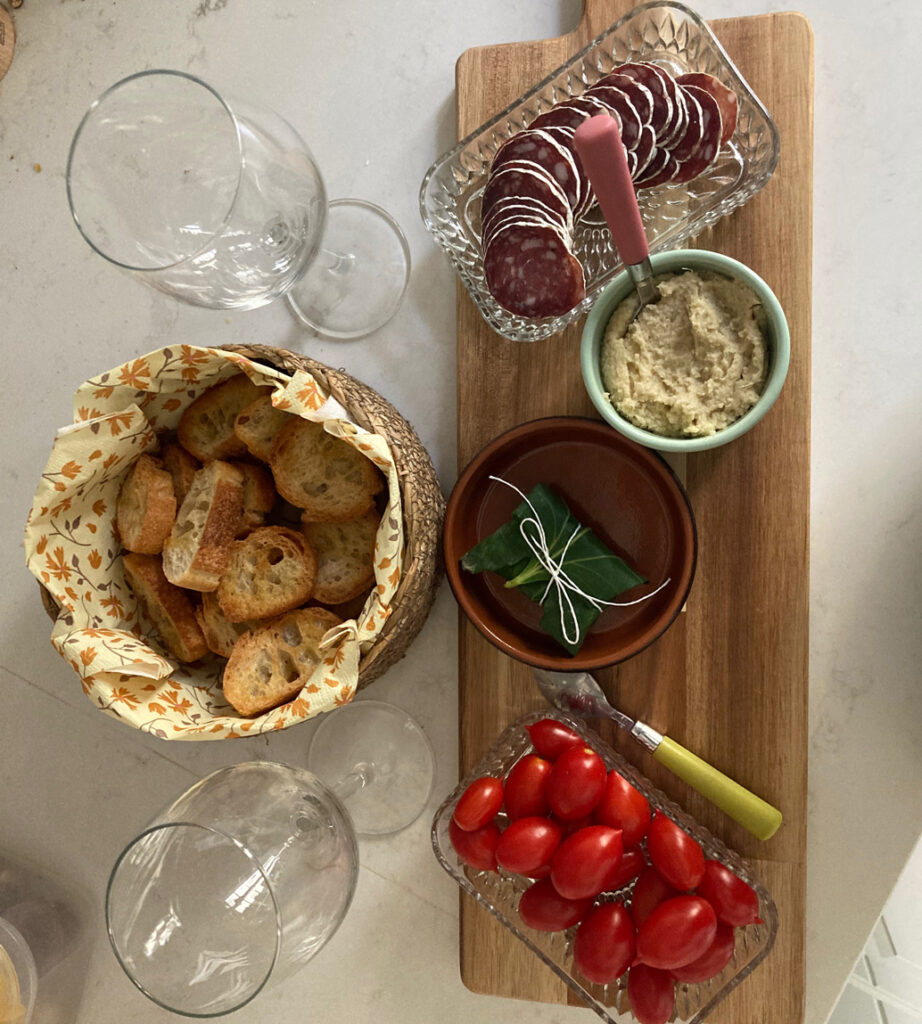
(509, 224)
(726, 98)
(531, 272)
(643, 154)
(675, 127)
(618, 103)
(565, 137)
(704, 155)
(653, 78)
(518, 206)
(694, 129)
(560, 116)
(587, 103)
(536, 145)
(667, 173)
(526, 179)
(640, 96)
(658, 163)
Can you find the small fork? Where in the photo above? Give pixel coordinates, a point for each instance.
(604, 159)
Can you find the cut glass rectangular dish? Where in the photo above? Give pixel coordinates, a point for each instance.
(669, 34)
(500, 892)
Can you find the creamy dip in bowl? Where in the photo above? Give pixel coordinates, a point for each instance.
(696, 370)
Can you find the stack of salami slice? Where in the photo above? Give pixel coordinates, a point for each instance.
(672, 130)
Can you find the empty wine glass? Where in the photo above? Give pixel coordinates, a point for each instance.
(382, 760)
(218, 202)
(242, 879)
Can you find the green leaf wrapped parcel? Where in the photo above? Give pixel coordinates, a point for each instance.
(586, 569)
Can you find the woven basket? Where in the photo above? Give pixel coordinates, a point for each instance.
(421, 496)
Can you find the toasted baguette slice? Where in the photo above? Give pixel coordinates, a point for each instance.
(220, 633)
(206, 428)
(168, 607)
(350, 609)
(146, 506)
(322, 474)
(270, 665)
(345, 557)
(196, 552)
(269, 572)
(259, 496)
(182, 467)
(258, 424)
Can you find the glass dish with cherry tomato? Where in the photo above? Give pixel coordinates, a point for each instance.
(636, 906)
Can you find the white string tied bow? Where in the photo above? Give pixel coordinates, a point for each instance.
(558, 579)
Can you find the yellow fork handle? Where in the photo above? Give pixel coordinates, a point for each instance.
(751, 811)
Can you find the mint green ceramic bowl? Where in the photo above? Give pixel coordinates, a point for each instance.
(778, 338)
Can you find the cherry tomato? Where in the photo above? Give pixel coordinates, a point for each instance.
(526, 788)
(676, 933)
(733, 900)
(675, 855)
(622, 806)
(631, 864)
(584, 860)
(713, 960)
(552, 738)
(649, 891)
(576, 783)
(651, 993)
(478, 849)
(567, 828)
(604, 944)
(479, 804)
(544, 909)
(528, 845)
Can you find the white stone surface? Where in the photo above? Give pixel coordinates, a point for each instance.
(371, 86)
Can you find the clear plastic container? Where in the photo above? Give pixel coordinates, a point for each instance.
(499, 892)
(669, 34)
(18, 978)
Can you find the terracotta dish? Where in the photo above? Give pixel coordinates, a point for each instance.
(626, 493)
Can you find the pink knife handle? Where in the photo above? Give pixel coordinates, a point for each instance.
(598, 144)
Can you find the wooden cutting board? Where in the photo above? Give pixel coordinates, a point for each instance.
(729, 679)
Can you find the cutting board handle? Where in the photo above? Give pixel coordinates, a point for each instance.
(598, 15)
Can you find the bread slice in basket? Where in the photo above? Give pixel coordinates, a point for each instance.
(345, 557)
(168, 607)
(269, 572)
(196, 552)
(146, 506)
(270, 665)
(206, 428)
(182, 467)
(259, 496)
(323, 474)
(220, 633)
(258, 425)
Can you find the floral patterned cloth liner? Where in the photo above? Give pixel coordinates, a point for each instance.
(72, 548)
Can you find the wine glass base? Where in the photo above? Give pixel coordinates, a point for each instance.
(358, 280)
(378, 761)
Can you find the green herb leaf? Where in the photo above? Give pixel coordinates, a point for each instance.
(588, 563)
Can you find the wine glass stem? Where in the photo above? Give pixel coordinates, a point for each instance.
(335, 262)
(361, 775)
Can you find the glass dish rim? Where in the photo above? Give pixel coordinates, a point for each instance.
(569, 318)
(661, 802)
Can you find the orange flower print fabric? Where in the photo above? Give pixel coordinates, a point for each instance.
(72, 549)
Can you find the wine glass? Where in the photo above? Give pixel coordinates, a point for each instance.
(218, 202)
(243, 878)
(382, 760)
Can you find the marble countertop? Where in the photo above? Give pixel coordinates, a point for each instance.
(74, 784)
